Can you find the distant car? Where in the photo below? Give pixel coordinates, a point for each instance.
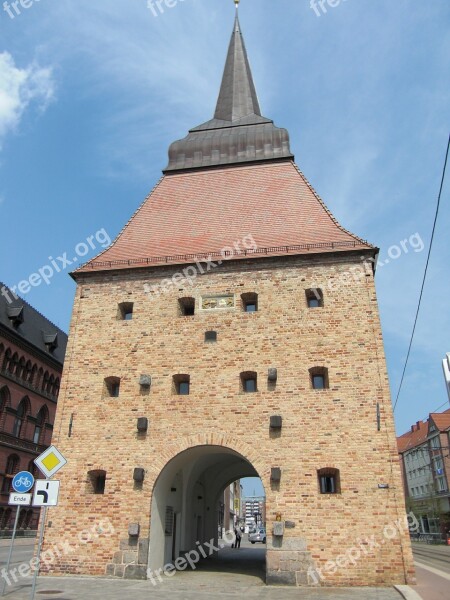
(257, 536)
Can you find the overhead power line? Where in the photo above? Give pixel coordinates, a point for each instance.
(424, 275)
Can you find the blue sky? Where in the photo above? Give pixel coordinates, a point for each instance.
(92, 94)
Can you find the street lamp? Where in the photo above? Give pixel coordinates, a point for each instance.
(446, 368)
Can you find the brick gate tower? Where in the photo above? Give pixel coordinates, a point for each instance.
(231, 330)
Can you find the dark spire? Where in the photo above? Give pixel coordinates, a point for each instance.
(237, 97)
(238, 133)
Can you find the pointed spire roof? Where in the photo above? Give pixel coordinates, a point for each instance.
(238, 133)
(237, 97)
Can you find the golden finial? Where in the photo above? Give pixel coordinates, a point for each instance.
(237, 3)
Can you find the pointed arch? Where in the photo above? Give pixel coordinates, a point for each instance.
(6, 360)
(45, 381)
(39, 430)
(56, 387)
(33, 375)
(12, 467)
(23, 410)
(37, 383)
(5, 401)
(21, 367)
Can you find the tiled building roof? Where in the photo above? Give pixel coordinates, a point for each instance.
(201, 212)
(415, 437)
(441, 420)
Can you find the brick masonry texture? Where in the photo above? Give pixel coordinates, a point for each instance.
(336, 427)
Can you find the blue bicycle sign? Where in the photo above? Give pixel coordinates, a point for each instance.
(23, 482)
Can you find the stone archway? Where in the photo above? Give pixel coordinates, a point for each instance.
(184, 511)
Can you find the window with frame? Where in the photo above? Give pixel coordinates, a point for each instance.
(329, 481)
(435, 442)
(181, 385)
(314, 298)
(249, 302)
(249, 382)
(19, 419)
(441, 484)
(41, 420)
(319, 378)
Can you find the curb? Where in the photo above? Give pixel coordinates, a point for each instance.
(407, 592)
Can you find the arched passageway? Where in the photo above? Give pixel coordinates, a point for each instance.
(185, 506)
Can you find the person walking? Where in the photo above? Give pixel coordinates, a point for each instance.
(238, 534)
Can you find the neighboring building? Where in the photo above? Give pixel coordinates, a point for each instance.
(424, 455)
(231, 504)
(31, 360)
(255, 511)
(230, 331)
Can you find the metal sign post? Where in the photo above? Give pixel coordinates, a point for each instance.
(49, 463)
(38, 555)
(22, 482)
(11, 549)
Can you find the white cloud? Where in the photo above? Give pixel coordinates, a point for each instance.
(19, 88)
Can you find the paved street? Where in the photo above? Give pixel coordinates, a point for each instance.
(433, 571)
(236, 573)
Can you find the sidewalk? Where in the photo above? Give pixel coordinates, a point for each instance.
(236, 574)
(187, 587)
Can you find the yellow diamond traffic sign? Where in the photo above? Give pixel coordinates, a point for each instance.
(50, 461)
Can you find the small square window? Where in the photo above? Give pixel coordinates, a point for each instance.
(249, 302)
(112, 387)
(319, 378)
(125, 312)
(181, 385)
(329, 481)
(96, 482)
(186, 307)
(314, 298)
(211, 336)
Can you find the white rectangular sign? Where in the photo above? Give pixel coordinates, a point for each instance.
(16, 499)
(46, 493)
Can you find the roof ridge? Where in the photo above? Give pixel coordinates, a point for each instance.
(328, 211)
(139, 208)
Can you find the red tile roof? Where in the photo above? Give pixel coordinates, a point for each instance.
(441, 420)
(202, 212)
(414, 438)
